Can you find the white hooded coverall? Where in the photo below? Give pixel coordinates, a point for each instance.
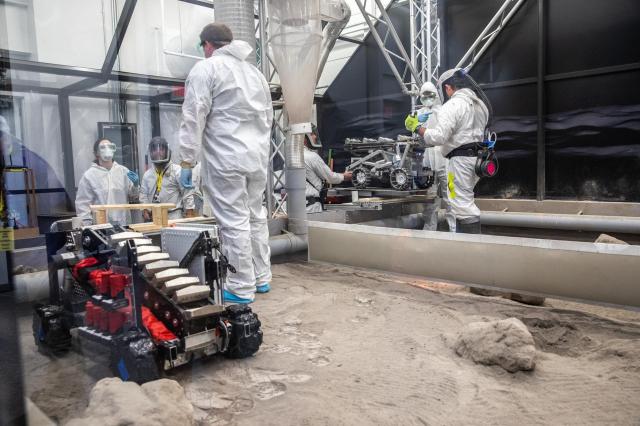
(170, 191)
(317, 172)
(434, 159)
(202, 208)
(99, 185)
(461, 120)
(227, 110)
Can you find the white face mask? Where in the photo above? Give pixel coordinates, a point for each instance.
(106, 152)
(427, 101)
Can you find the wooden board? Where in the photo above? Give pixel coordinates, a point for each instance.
(191, 219)
(145, 227)
(160, 212)
(143, 206)
(152, 227)
(23, 233)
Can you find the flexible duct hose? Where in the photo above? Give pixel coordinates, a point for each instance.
(238, 15)
(330, 34)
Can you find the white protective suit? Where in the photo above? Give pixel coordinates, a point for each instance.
(227, 110)
(198, 197)
(434, 159)
(461, 120)
(170, 191)
(99, 185)
(317, 172)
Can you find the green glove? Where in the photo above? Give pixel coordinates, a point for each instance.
(412, 122)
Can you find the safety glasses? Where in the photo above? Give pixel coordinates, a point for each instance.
(107, 145)
(200, 47)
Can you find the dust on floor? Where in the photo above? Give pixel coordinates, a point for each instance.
(348, 346)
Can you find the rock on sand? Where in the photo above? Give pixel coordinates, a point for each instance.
(114, 402)
(507, 343)
(608, 239)
(529, 300)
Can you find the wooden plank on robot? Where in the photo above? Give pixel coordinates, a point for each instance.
(144, 206)
(160, 212)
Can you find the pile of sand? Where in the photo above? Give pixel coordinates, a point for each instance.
(507, 343)
(114, 402)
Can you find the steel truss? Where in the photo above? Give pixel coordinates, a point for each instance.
(424, 27)
(407, 83)
(489, 33)
(275, 206)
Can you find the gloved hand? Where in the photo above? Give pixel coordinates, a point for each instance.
(133, 177)
(185, 178)
(422, 118)
(411, 122)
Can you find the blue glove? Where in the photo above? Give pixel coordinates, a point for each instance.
(423, 117)
(185, 178)
(133, 177)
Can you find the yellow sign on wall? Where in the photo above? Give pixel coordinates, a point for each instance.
(6, 239)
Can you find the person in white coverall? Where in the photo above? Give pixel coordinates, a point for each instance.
(227, 111)
(161, 183)
(433, 158)
(459, 131)
(317, 173)
(106, 182)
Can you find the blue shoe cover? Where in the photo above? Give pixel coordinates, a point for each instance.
(232, 298)
(263, 288)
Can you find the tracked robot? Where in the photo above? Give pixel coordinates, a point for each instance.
(149, 307)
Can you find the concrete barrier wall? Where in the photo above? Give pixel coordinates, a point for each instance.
(603, 273)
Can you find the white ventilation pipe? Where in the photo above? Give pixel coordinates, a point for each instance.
(330, 34)
(238, 15)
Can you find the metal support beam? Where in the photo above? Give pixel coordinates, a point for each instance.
(82, 85)
(262, 31)
(541, 107)
(396, 38)
(118, 37)
(28, 86)
(266, 71)
(12, 395)
(43, 67)
(385, 52)
(351, 40)
(489, 34)
(154, 110)
(67, 150)
(112, 53)
(199, 3)
(414, 48)
(46, 68)
(424, 27)
(146, 79)
(593, 72)
(565, 269)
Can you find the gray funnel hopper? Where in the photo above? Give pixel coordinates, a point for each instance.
(296, 37)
